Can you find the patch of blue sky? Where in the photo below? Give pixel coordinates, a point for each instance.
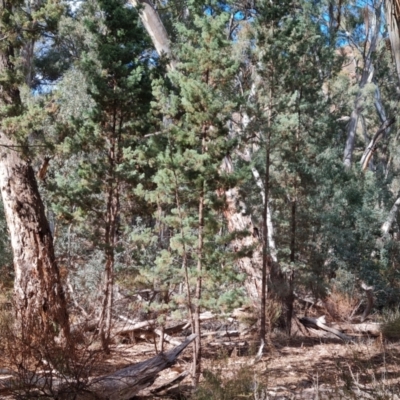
(237, 15)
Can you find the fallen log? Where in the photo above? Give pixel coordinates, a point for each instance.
(167, 337)
(127, 382)
(170, 383)
(120, 385)
(319, 323)
(221, 334)
(370, 328)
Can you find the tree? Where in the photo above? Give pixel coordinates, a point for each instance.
(197, 102)
(392, 13)
(39, 298)
(105, 136)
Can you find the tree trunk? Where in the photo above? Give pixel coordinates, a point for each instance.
(112, 211)
(41, 309)
(39, 296)
(197, 342)
(390, 218)
(247, 242)
(235, 214)
(351, 134)
(392, 12)
(155, 28)
(270, 226)
(265, 264)
(371, 148)
(366, 77)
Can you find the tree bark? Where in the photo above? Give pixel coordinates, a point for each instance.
(246, 243)
(270, 226)
(371, 148)
(266, 257)
(114, 157)
(200, 245)
(108, 284)
(155, 28)
(366, 77)
(391, 218)
(39, 297)
(392, 12)
(40, 303)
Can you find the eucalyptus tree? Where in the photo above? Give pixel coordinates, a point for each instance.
(392, 14)
(39, 298)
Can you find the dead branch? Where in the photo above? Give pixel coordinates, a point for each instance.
(370, 300)
(167, 337)
(319, 323)
(170, 383)
(221, 334)
(120, 385)
(127, 382)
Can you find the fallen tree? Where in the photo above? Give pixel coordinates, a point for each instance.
(320, 323)
(120, 385)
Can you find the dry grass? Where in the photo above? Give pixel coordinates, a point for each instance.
(43, 368)
(297, 368)
(306, 368)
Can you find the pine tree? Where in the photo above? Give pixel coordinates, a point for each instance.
(288, 128)
(198, 103)
(116, 75)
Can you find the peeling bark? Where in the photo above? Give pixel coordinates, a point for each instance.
(40, 304)
(239, 222)
(366, 77)
(392, 13)
(39, 297)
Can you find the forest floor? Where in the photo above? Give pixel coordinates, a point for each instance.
(296, 368)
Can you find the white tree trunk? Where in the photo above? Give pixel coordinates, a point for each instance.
(155, 28)
(391, 218)
(271, 240)
(366, 77)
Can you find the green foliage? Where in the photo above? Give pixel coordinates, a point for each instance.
(116, 123)
(198, 101)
